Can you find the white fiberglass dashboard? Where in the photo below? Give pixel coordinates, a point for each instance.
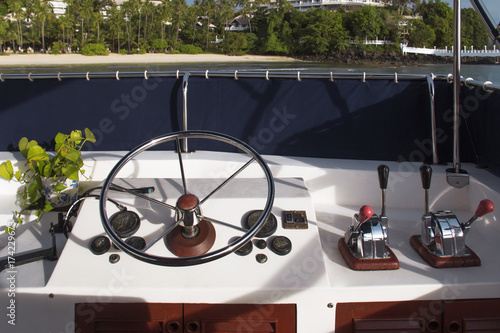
(312, 275)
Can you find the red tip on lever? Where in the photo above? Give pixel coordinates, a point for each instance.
(485, 206)
(365, 213)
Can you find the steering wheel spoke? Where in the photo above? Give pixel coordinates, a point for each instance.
(142, 196)
(191, 238)
(226, 224)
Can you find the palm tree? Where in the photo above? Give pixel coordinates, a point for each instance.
(209, 9)
(165, 17)
(65, 25)
(72, 17)
(3, 33)
(179, 7)
(227, 8)
(246, 11)
(86, 12)
(18, 13)
(115, 23)
(127, 11)
(97, 20)
(42, 11)
(192, 17)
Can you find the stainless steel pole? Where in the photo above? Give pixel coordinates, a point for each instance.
(456, 84)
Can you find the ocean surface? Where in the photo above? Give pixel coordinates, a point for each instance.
(489, 72)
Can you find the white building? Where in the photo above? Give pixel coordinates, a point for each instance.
(58, 7)
(303, 5)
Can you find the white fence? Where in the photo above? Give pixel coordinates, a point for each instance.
(371, 42)
(449, 52)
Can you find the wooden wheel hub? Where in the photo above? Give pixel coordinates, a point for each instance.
(189, 247)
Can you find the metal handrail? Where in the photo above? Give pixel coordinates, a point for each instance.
(209, 74)
(470, 82)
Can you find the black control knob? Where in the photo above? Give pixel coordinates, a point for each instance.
(383, 176)
(426, 175)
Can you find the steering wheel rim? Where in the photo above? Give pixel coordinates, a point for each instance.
(211, 255)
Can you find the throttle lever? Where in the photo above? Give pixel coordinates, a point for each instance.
(485, 207)
(365, 213)
(383, 179)
(426, 175)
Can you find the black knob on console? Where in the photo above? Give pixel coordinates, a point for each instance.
(383, 176)
(426, 174)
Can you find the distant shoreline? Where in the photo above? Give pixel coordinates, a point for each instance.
(49, 60)
(391, 58)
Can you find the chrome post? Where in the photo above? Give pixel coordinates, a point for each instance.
(456, 84)
(430, 84)
(455, 176)
(184, 110)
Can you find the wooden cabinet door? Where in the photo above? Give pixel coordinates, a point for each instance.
(472, 316)
(226, 318)
(128, 317)
(188, 318)
(390, 317)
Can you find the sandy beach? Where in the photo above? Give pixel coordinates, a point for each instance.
(137, 59)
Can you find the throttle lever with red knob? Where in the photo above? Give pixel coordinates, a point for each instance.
(365, 214)
(442, 238)
(365, 244)
(485, 207)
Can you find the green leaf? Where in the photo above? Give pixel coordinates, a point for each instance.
(59, 187)
(48, 207)
(23, 146)
(76, 136)
(18, 175)
(71, 172)
(37, 153)
(6, 170)
(33, 191)
(46, 169)
(60, 138)
(73, 156)
(89, 135)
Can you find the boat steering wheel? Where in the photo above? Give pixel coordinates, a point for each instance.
(192, 235)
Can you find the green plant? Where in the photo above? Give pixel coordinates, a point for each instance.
(190, 49)
(159, 44)
(57, 47)
(64, 163)
(94, 49)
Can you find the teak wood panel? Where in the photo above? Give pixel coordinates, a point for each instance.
(457, 316)
(187, 318)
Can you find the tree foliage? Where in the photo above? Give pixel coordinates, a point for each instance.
(141, 26)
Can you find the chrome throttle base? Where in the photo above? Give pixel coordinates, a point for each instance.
(442, 240)
(365, 245)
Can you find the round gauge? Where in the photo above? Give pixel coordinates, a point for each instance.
(136, 242)
(269, 227)
(245, 249)
(100, 245)
(281, 245)
(125, 223)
